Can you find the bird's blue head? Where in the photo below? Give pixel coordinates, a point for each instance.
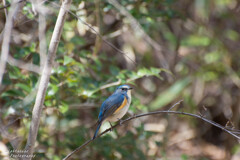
(123, 88)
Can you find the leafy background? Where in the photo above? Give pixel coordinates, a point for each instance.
(200, 40)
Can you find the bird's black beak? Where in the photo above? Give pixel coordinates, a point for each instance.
(130, 88)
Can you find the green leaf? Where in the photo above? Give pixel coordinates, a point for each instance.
(13, 93)
(36, 58)
(87, 93)
(61, 69)
(67, 60)
(121, 76)
(47, 103)
(196, 40)
(15, 73)
(52, 90)
(147, 72)
(232, 35)
(6, 79)
(114, 70)
(184, 157)
(212, 57)
(24, 87)
(170, 94)
(63, 107)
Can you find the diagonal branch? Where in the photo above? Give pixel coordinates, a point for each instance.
(5, 9)
(5, 5)
(5, 134)
(20, 4)
(98, 34)
(23, 65)
(139, 31)
(6, 39)
(37, 109)
(230, 131)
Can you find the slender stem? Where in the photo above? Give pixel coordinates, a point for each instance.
(37, 109)
(230, 131)
(5, 9)
(98, 34)
(6, 40)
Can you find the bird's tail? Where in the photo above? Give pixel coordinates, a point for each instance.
(96, 132)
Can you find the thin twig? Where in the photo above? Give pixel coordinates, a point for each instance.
(37, 109)
(98, 40)
(175, 105)
(98, 34)
(14, 121)
(5, 57)
(110, 84)
(17, 12)
(114, 84)
(154, 113)
(137, 28)
(5, 134)
(5, 6)
(5, 9)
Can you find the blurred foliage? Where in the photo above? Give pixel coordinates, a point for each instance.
(200, 41)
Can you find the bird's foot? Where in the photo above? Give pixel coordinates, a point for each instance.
(120, 122)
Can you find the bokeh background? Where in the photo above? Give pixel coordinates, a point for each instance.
(174, 49)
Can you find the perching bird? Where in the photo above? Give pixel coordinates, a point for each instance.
(115, 106)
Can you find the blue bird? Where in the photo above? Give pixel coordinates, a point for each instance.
(115, 106)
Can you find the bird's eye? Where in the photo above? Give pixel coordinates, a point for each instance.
(122, 89)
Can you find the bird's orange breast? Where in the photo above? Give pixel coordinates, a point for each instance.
(122, 105)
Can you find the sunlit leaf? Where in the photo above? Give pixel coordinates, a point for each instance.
(170, 94)
(196, 40)
(52, 90)
(63, 107)
(67, 60)
(24, 87)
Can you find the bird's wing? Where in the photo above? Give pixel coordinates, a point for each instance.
(110, 105)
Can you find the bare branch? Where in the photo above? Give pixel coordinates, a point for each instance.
(86, 105)
(42, 39)
(8, 5)
(5, 6)
(37, 109)
(115, 83)
(29, 98)
(5, 9)
(6, 39)
(139, 31)
(17, 12)
(98, 34)
(23, 65)
(5, 134)
(110, 84)
(175, 105)
(154, 113)
(98, 41)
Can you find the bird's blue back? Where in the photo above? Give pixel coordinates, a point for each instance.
(110, 105)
